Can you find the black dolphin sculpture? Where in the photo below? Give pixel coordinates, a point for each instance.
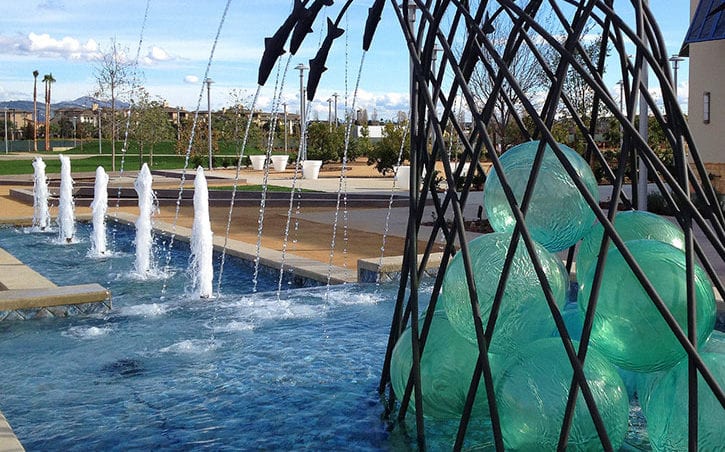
(317, 64)
(274, 46)
(304, 24)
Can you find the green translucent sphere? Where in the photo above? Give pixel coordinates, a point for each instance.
(630, 225)
(715, 343)
(646, 382)
(524, 315)
(628, 329)
(558, 216)
(531, 394)
(446, 370)
(573, 320)
(667, 409)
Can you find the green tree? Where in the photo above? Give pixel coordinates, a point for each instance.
(200, 145)
(231, 123)
(113, 75)
(579, 92)
(48, 80)
(384, 154)
(522, 64)
(149, 124)
(363, 145)
(325, 144)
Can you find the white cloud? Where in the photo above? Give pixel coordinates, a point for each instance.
(43, 45)
(191, 79)
(156, 55)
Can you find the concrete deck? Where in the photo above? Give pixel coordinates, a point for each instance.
(25, 294)
(8, 441)
(303, 268)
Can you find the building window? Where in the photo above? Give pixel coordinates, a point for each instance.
(706, 107)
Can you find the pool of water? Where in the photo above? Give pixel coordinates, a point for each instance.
(164, 369)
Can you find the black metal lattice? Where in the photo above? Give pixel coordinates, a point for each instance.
(484, 39)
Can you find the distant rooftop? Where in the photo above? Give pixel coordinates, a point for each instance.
(708, 24)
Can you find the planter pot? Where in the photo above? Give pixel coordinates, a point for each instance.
(280, 162)
(402, 177)
(257, 161)
(311, 169)
(464, 171)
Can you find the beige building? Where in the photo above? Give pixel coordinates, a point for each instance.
(705, 46)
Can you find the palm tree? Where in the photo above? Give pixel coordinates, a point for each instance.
(48, 80)
(35, 110)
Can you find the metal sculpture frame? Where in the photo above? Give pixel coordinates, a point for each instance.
(461, 29)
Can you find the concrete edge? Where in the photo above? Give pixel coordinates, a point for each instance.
(8, 441)
(15, 275)
(388, 268)
(52, 296)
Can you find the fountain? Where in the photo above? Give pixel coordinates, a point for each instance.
(66, 207)
(144, 235)
(202, 245)
(99, 207)
(296, 374)
(41, 214)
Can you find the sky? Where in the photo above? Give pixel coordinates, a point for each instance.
(174, 39)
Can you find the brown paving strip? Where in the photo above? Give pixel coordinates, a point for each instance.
(308, 239)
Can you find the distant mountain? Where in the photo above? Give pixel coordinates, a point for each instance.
(22, 105)
(81, 102)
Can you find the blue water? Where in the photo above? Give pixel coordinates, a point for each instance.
(166, 370)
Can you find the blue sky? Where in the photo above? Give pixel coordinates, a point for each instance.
(64, 37)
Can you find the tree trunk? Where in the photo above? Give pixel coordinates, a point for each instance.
(113, 130)
(47, 116)
(35, 112)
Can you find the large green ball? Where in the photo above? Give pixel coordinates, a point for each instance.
(715, 343)
(524, 315)
(558, 216)
(628, 329)
(531, 394)
(446, 371)
(667, 413)
(630, 225)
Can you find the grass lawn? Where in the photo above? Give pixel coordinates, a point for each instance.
(52, 162)
(165, 157)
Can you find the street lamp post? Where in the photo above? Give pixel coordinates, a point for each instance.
(100, 150)
(334, 117)
(329, 113)
(75, 141)
(642, 181)
(286, 129)
(14, 126)
(675, 59)
(303, 126)
(208, 82)
(35, 110)
(621, 110)
(6, 130)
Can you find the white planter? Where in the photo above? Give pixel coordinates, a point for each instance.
(464, 171)
(280, 162)
(402, 177)
(311, 169)
(257, 161)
